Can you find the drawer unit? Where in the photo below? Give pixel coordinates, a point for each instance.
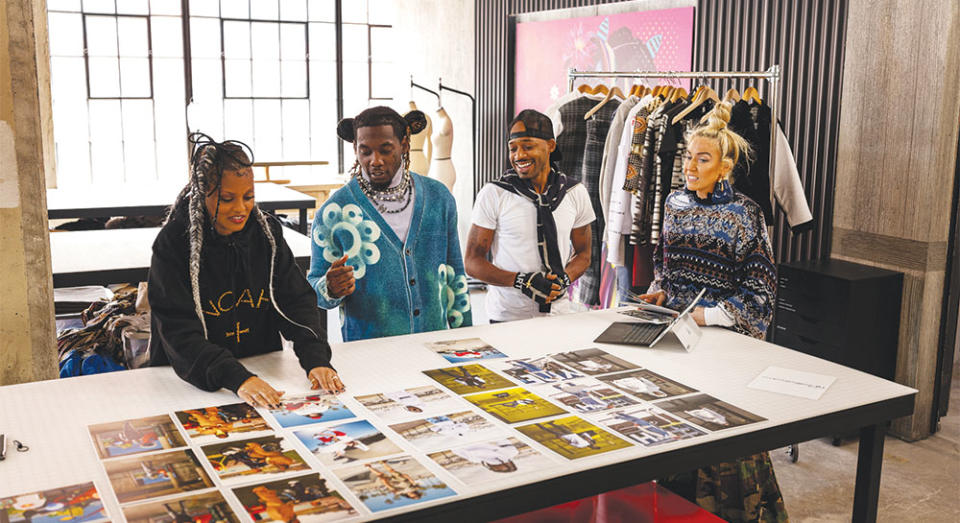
(840, 311)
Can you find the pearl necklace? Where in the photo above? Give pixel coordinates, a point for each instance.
(379, 197)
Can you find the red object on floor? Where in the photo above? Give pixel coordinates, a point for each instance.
(646, 503)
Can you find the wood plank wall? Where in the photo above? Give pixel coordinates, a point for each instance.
(896, 167)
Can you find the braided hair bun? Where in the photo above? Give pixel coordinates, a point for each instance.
(403, 126)
(718, 118)
(713, 126)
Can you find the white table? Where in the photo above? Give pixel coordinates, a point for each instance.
(52, 416)
(123, 255)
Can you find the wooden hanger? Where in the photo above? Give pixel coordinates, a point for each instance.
(678, 93)
(610, 94)
(702, 96)
(732, 96)
(751, 93)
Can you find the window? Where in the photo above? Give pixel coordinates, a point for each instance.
(260, 71)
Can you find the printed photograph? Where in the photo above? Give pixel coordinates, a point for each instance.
(533, 371)
(464, 351)
(341, 444)
(447, 430)
(709, 412)
(514, 405)
(211, 424)
(593, 361)
(573, 437)
(467, 379)
(393, 483)
(206, 508)
(585, 395)
(164, 474)
(76, 504)
(310, 408)
(490, 460)
(646, 385)
(256, 459)
(404, 404)
(648, 425)
(135, 436)
(306, 499)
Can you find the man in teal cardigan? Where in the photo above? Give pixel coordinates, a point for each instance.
(385, 246)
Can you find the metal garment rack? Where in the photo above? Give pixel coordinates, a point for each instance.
(473, 122)
(771, 75)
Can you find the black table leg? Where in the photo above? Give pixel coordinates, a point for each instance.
(869, 462)
(303, 220)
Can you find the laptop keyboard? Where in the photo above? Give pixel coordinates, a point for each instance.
(643, 333)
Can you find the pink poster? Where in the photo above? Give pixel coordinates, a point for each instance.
(659, 40)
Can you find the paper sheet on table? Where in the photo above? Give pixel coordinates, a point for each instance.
(792, 382)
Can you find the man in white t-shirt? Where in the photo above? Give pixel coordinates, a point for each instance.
(535, 223)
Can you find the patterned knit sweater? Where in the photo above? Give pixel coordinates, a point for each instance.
(719, 243)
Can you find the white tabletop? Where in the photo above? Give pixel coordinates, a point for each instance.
(52, 416)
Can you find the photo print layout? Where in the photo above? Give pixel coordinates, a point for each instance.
(467, 379)
(709, 412)
(646, 384)
(135, 436)
(393, 483)
(207, 507)
(464, 351)
(447, 430)
(80, 503)
(338, 445)
(533, 371)
(648, 425)
(573, 437)
(211, 424)
(490, 460)
(257, 459)
(307, 499)
(144, 477)
(403, 404)
(585, 395)
(310, 408)
(593, 361)
(514, 405)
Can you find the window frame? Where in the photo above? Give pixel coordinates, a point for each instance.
(86, 55)
(306, 59)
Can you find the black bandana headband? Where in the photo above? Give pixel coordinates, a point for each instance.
(535, 125)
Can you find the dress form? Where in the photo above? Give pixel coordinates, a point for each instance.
(441, 166)
(421, 147)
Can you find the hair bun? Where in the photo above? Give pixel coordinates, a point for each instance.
(346, 131)
(416, 120)
(717, 118)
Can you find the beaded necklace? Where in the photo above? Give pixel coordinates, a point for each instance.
(379, 197)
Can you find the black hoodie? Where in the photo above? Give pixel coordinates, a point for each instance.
(235, 296)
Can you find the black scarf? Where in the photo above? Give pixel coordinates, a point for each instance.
(547, 242)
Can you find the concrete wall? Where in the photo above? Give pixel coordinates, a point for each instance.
(895, 167)
(435, 39)
(27, 327)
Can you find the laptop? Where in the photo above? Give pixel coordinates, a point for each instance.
(657, 322)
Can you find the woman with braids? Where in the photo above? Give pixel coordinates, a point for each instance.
(223, 284)
(715, 237)
(385, 246)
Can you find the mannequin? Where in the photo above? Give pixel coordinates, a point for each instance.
(421, 147)
(441, 166)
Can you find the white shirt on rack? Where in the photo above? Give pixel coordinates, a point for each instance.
(619, 216)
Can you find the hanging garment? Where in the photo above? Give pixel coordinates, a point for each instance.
(611, 151)
(788, 188)
(619, 213)
(571, 141)
(553, 112)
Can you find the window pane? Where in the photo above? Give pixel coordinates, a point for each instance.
(66, 34)
(264, 9)
(267, 132)
(293, 10)
(133, 7)
(293, 41)
(238, 77)
(294, 78)
(266, 78)
(104, 77)
(382, 12)
(138, 152)
(355, 43)
(236, 39)
(167, 36)
(204, 37)
(355, 11)
(169, 120)
(204, 8)
(355, 87)
(323, 42)
(168, 82)
(69, 96)
(382, 44)
(101, 36)
(134, 77)
(265, 40)
(296, 130)
(238, 121)
(235, 8)
(164, 7)
(106, 141)
(99, 6)
(132, 33)
(63, 5)
(207, 79)
(383, 80)
(321, 10)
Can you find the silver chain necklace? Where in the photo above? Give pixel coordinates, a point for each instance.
(379, 197)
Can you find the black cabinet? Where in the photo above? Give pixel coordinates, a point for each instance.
(843, 312)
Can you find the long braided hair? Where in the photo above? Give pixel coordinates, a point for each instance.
(208, 161)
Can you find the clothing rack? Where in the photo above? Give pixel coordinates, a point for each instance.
(771, 75)
(418, 86)
(473, 121)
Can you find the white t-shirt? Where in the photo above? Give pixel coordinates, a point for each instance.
(514, 249)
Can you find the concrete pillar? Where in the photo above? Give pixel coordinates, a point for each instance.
(27, 328)
(895, 167)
